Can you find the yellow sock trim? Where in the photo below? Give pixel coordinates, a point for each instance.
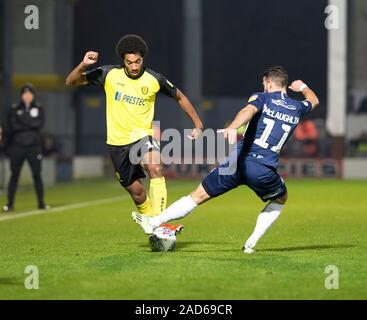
(158, 195)
(145, 208)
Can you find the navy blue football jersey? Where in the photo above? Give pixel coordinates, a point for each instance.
(272, 125)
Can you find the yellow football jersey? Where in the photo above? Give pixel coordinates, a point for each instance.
(129, 101)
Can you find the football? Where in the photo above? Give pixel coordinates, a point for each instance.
(162, 240)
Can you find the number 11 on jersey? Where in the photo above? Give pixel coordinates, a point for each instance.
(265, 135)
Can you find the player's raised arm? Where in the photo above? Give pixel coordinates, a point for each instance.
(78, 77)
(187, 106)
(243, 118)
(300, 86)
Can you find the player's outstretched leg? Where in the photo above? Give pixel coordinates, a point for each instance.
(265, 219)
(177, 210)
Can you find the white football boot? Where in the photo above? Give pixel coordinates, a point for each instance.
(248, 247)
(143, 221)
(248, 250)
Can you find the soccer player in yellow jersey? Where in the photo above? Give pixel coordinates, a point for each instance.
(131, 91)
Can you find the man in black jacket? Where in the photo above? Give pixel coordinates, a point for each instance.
(22, 139)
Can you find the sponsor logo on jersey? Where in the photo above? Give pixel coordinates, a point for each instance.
(118, 96)
(129, 99)
(283, 104)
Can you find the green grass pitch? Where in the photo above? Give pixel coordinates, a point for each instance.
(95, 251)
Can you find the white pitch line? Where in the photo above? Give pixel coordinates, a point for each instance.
(12, 216)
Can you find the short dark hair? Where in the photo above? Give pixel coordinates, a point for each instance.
(278, 75)
(131, 43)
(28, 87)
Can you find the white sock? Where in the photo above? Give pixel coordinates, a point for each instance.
(176, 210)
(266, 218)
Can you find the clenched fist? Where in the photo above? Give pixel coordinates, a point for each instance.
(295, 86)
(90, 58)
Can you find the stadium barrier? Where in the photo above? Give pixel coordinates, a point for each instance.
(84, 167)
(48, 172)
(355, 168)
(289, 168)
(87, 167)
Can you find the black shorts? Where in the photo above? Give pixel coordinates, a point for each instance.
(126, 159)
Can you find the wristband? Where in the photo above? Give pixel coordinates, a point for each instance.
(302, 86)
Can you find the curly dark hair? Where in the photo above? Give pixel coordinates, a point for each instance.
(278, 75)
(131, 43)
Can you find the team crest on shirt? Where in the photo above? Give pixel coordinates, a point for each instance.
(144, 90)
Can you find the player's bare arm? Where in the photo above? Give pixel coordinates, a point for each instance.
(187, 106)
(243, 118)
(78, 77)
(300, 86)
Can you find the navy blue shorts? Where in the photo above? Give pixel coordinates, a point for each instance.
(262, 179)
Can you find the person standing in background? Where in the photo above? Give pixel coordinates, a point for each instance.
(306, 135)
(22, 139)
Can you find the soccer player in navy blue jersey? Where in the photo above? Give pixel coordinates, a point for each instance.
(271, 117)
